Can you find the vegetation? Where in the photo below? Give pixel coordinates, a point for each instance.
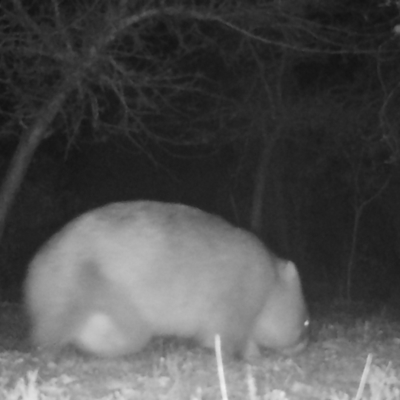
(352, 356)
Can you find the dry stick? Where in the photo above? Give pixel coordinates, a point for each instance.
(364, 377)
(220, 367)
(251, 384)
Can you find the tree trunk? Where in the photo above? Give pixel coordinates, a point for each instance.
(353, 252)
(24, 153)
(268, 143)
(256, 218)
(359, 208)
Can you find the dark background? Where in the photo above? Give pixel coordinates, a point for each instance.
(326, 121)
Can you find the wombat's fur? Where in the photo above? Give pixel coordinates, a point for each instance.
(119, 275)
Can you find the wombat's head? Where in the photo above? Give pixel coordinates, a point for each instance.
(283, 323)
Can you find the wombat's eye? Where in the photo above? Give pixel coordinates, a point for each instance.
(306, 323)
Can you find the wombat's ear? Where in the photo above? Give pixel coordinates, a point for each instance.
(289, 270)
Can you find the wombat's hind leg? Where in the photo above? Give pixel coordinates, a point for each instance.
(105, 335)
(111, 325)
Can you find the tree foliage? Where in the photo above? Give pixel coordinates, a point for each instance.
(307, 90)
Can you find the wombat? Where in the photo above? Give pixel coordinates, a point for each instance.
(117, 276)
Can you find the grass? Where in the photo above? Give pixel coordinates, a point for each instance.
(352, 355)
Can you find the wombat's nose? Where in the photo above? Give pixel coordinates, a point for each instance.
(302, 343)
